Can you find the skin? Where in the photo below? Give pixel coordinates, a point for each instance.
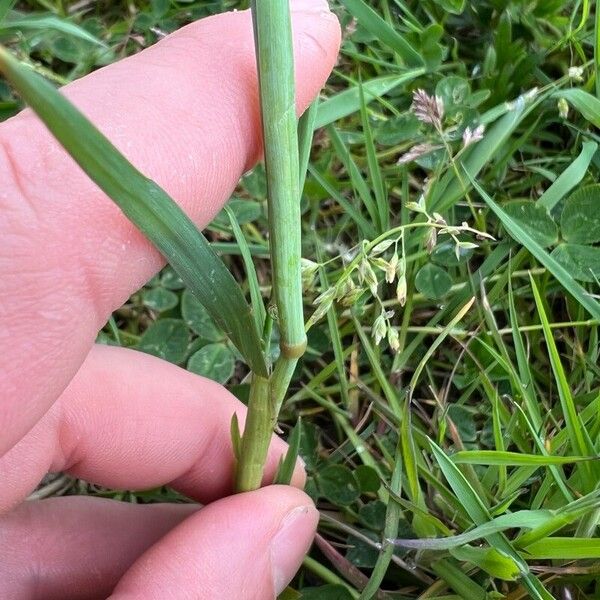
(185, 112)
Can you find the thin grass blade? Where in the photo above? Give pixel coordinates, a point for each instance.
(569, 178)
(306, 129)
(564, 548)
(44, 23)
(523, 519)
(384, 32)
(348, 102)
(288, 464)
(144, 203)
(481, 515)
(258, 306)
(512, 459)
(376, 177)
(584, 102)
(5, 6)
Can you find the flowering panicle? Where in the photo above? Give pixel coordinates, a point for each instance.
(428, 109)
(417, 151)
(471, 136)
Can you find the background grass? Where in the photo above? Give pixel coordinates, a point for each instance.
(473, 421)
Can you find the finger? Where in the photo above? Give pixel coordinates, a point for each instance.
(132, 421)
(185, 112)
(77, 548)
(247, 547)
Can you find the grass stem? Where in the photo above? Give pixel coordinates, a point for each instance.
(274, 55)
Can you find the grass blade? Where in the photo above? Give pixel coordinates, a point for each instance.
(144, 203)
(578, 434)
(348, 102)
(480, 515)
(523, 519)
(376, 177)
(288, 464)
(569, 178)
(306, 128)
(44, 23)
(358, 181)
(384, 32)
(585, 103)
(513, 459)
(564, 548)
(366, 228)
(258, 306)
(5, 6)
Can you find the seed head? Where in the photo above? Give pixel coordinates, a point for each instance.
(379, 329)
(417, 151)
(428, 109)
(470, 136)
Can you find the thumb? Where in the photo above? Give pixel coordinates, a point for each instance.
(247, 547)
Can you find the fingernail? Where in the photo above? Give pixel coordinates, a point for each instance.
(310, 5)
(291, 543)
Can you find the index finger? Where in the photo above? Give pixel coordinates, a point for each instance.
(185, 112)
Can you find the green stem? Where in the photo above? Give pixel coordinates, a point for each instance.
(390, 530)
(328, 576)
(273, 34)
(257, 435)
(275, 63)
(280, 380)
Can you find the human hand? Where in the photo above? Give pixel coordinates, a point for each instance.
(185, 112)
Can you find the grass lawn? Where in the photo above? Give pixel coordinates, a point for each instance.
(450, 394)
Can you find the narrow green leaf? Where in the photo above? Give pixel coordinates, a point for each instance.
(564, 516)
(520, 235)
(348, 102)
(44, 23)
(564, 548)
(523, 519)
(366, 228)
(383, 31)
(5, 6)
(236, 438)
(579, 437)
(460, 582)
(376, 177)
(585, 103)
(492, 561)
(525, 376)
(258, 306)
(288, 464)
(438, 340)
(358, 181)
(306, 129)
(478, 511)
(569, 178)
(492, 457)
(148, 206)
